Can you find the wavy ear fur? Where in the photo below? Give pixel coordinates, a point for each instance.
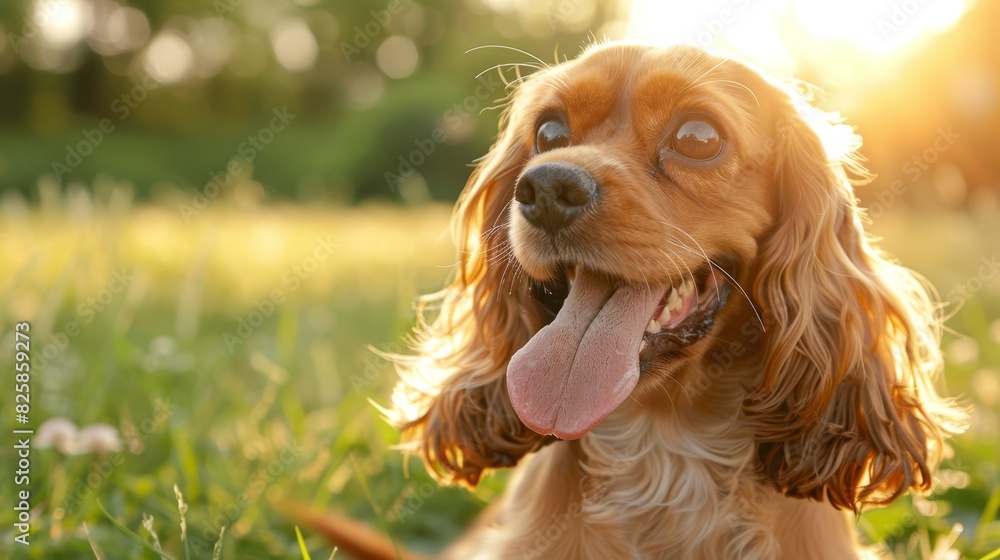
(452, 402)
(846, 410)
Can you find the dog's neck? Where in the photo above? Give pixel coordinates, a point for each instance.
(655, 479)
(669, 473)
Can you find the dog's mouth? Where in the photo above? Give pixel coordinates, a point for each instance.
(579, 368)
(685, 314)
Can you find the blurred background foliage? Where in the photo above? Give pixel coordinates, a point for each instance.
(364, 79)
(185, 82)
(297, 121)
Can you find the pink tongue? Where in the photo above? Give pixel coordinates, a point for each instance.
(579, 368)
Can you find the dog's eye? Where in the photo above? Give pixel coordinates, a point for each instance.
(552, 133)
(697, 138)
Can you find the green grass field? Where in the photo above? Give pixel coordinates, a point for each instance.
(231, 351)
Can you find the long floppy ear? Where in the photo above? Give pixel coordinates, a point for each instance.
(846, 410)
(451, 401)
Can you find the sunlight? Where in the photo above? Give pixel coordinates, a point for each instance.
(62, 23)
(123, 29)
(777, 33)
(398, 56)
(661, 23)
(892, 24)
(169, 58)
(294, 45)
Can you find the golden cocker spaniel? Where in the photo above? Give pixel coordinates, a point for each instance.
(668, 316)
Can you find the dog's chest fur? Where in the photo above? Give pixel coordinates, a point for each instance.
(644, 486)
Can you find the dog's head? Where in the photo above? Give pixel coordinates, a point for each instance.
(641, 208)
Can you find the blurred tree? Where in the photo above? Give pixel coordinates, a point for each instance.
(184, 82)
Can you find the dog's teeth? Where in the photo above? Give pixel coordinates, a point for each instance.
(664, 317)
(676, 301)
(686, 289)
(653, 327)
(673, 304)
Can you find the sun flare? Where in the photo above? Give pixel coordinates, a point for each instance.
(779, 34)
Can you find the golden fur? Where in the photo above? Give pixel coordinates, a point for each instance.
(813, 393)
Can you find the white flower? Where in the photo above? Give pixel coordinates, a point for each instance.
(99, 438)
(163, 345)
(57, 432)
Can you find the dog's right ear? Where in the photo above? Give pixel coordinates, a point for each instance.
(451, 401)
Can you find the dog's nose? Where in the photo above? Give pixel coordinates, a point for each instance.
(551, 195)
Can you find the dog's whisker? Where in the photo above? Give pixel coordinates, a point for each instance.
(514, 82)
(730, 82)
(496, 235)
(505, 252)
(502, 65)
(677, 270)
(684, 390)
(750, 301)
(504, 212)
(515, 49)
(518, 277)
(728, 275)
(644, 279)
(672, 239)
(504, 275)
(686, 267)
(697, 80)
(700, 248)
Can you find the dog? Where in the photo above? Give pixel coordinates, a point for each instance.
(668, 317)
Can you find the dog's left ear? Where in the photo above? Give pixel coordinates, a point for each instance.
(452, 402)
(846, 410)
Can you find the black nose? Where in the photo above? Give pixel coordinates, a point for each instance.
(551, 195)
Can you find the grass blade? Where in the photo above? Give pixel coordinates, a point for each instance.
(147, 522)
(217, 550)
(182, 508)
(383, 524)
(989, 513)
(302, 544)
(992, 556)
(93, 546)
(129, 532)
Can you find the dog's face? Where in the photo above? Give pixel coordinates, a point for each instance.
(640, 209)
(648, 170)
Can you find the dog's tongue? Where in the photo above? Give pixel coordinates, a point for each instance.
(579, 368)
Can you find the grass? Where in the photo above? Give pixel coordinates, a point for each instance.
(234, 361)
